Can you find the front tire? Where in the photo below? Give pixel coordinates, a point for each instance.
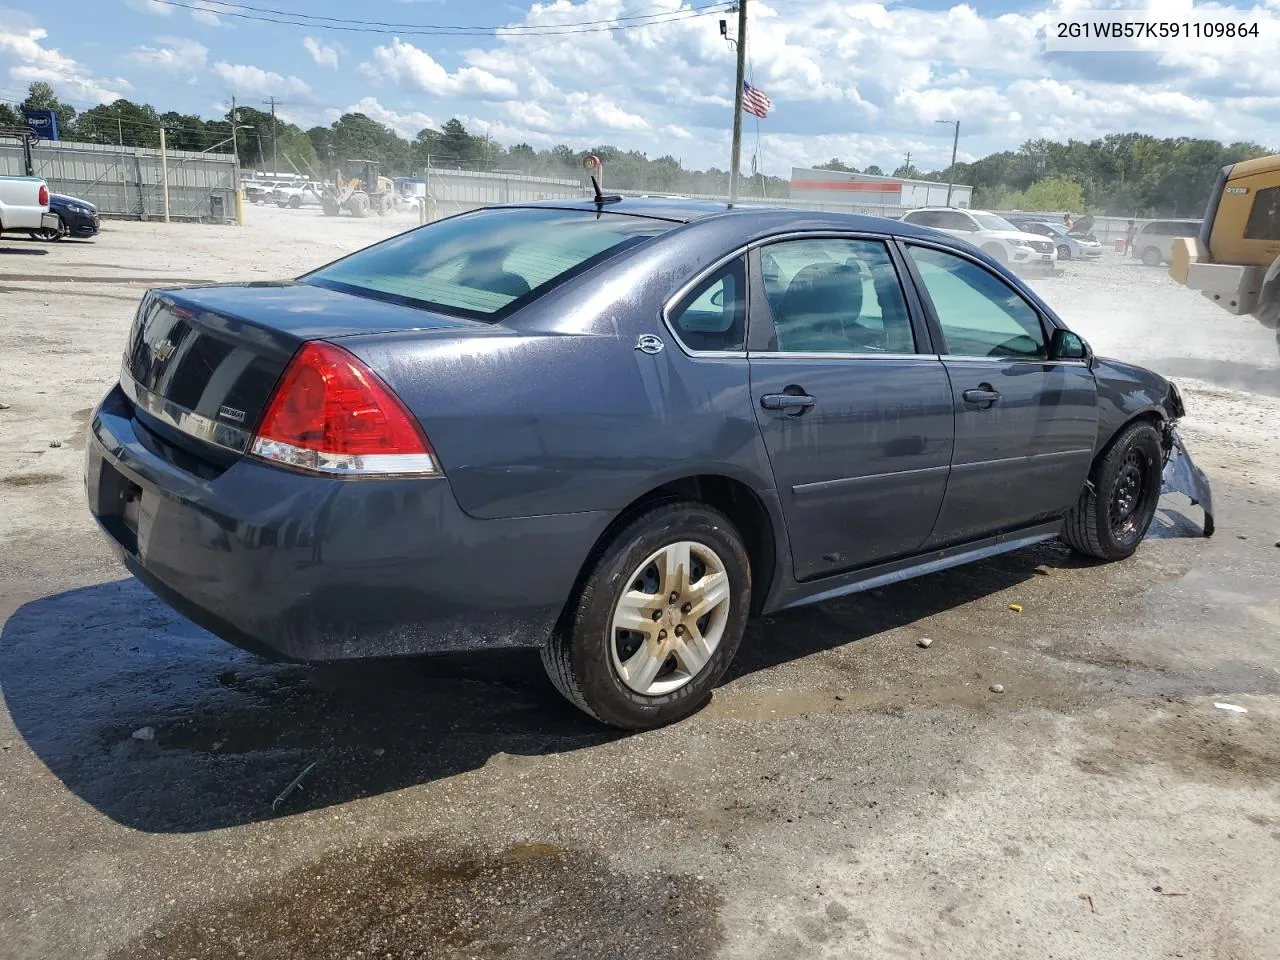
(1064, 252)
(1118, 503)
(657, 620)
(1151, 257)
(996, 253)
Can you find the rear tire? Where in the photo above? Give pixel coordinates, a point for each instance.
(295, 203)
(1116, 507)
(1151, 257)
(49, 235)
(599, 666)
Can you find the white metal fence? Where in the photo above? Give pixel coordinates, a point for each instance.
(127, 181)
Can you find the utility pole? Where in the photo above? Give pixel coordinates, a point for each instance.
(164, 175)
(907, 166)
(736, 152)
(119, 130)
(951, 171)
(275, 155)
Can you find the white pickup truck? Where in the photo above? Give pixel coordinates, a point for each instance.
(24, 205)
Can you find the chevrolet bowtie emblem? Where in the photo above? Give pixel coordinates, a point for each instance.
(162, 350)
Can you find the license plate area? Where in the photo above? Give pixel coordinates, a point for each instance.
(119, 504)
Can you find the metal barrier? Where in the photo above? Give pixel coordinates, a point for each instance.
(128, 182)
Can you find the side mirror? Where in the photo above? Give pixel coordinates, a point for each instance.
(1067, 345)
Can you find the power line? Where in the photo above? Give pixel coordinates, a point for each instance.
(453, 27)
(526, 30)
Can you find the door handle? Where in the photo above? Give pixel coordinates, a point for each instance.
(797, 402)
(981, 395)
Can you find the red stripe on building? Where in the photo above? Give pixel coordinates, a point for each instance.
(854, 186)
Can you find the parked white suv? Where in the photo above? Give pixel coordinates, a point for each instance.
(993, 234)
(1154, 243)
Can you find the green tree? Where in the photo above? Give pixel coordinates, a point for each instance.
(40, 96)
(874, 171)
(1053, 193)
(835, 164)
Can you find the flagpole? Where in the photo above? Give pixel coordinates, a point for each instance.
(736, 158)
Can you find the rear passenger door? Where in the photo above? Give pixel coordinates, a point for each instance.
(856, 419)
(1025, 426)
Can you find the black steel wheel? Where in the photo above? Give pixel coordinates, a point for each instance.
(1119, 501)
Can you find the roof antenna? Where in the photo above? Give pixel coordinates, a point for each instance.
(600, 198)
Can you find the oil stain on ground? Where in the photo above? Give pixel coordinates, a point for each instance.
(424, 900)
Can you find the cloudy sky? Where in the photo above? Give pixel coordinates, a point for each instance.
(862, 81)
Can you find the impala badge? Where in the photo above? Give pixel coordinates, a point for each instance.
(231, 413)
(162, 350)
(648, 343)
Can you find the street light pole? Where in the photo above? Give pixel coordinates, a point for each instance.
(951, 171)
(736, 152)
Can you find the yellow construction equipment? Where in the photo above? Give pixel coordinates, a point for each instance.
(358, 191)
(1235, 261)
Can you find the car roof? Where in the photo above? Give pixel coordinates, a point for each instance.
(750, 219)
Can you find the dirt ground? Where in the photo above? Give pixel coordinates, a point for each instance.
(847, 794)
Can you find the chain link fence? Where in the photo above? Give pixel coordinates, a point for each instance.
(128, 181)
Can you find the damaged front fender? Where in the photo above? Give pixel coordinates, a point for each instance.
(1181, 475)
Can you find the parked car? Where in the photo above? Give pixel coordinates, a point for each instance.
(24, 205)
(295, 195)
(540, 426)
(263, 191)
(993, 234)
(76, 218)
(1154, 243)
(1069, 244)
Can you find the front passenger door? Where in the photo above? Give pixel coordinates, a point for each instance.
(1025, 425)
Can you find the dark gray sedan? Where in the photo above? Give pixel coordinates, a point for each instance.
(612, 430)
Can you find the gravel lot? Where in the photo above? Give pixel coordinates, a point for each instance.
(846, 794)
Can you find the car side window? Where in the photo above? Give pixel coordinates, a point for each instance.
(980, 315)
(835, 296)
(956, 221)
(1264, 215)
(713, 315)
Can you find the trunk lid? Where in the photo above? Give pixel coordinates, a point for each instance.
(201, 362)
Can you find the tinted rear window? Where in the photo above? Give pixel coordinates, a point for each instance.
(486, 264)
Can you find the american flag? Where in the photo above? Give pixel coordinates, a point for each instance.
(754, 101)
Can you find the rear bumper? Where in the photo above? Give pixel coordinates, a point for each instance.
(313, 568)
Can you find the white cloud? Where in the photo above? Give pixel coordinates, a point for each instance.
(154, 7)
(204, 13)
(414, 69)
(20, 41)
(406, 124)
(249, 80)
(174, 54)
(324, 54)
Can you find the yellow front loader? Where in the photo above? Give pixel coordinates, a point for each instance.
(359, 190)
(1235, 261)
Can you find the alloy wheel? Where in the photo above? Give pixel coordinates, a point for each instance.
(670, 619)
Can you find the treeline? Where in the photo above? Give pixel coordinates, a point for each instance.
(1126, 174)
(1122, 174)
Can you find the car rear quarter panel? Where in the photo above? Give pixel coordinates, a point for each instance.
(563, 414)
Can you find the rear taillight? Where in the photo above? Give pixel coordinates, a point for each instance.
(44, 195)
(331, 414)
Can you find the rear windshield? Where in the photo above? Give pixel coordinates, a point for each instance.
(485, 265)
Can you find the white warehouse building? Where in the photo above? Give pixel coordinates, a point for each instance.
(834, 188)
